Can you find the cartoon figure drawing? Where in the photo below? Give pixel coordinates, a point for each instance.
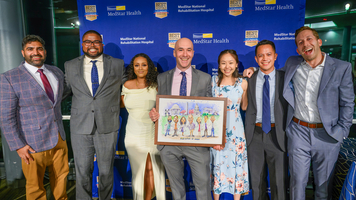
(168, 125)
(175, 120)
(183, 123)
(212, 119)
(206, 126)
(191, 125)
(199, 123)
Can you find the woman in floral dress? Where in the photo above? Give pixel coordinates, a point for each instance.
(230, 169)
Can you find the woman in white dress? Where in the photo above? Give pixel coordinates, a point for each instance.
(139, 97)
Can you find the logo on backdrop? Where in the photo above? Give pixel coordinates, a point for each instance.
(114, 11)
(235, 7)
(172, 39)
(265, 2)
(90, 12)
(202, 35)
(161, 10)
(251, 38)
(261, 5)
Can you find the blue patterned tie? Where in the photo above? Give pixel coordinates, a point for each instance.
(94, 77)
(266, 113)
(183, 85)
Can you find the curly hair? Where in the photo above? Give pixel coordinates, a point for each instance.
(235, 74)
(151, 77)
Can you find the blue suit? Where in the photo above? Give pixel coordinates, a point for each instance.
(321, 145)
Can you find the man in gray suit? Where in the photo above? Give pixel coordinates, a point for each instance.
(184, 80)
(319, 91)
(95, 81)
(265, 135)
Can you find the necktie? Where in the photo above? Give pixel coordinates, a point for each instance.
(46, 85)
(183, 85)
(94, 77)
(266, 113)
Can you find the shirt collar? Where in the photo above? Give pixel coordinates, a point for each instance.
(32, 68)
(271, 75)
(178, 71)
(87, 59)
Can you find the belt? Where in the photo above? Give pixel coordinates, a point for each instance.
(260, 124)
(306, 124)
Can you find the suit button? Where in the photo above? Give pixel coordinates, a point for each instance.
(94, 98)
(92, 111)
(55, 120)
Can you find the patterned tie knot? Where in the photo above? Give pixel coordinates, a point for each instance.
(93, 61)
(183, 73)
(183, 85)
(40, 71)
(266, 77)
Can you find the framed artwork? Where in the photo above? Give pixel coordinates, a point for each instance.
(190, 121)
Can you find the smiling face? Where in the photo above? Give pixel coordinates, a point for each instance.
(308, 46)
(183, 52)
(227, 65)
(265, 58)
(140, 67)
(34, 53)
(93, 49)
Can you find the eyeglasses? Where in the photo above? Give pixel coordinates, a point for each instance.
(88, 42)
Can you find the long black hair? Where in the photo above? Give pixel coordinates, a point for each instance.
(151, 77)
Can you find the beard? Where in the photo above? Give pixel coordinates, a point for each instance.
(38, 63)
(91, 55)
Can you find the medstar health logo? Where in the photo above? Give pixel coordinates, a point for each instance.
(172, 39)
(265, 2)
(90, 12)
(161, 10)
(235, 7)
(251, 38)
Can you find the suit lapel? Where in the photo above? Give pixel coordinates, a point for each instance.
(107, 67)
(288, 93)
(278, 88)
(253, 89)
(195, 81)
(329, 68)
(169, 82)
(59, 88)
(80, 72)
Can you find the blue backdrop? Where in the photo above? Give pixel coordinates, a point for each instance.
(129, 27)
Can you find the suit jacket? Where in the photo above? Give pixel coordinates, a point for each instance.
(27, 115)
(335, 98)
(201, 85)
(280, 110)
(103, 109)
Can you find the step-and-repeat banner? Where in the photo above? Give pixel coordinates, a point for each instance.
(129, 27)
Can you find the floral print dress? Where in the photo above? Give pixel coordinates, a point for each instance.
(229, 166)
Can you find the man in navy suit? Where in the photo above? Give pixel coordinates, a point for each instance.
(31, 119)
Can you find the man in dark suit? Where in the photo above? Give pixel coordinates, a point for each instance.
(95, 81)
(265, 126)
(184, 80)
(31, 119)
(319, 91)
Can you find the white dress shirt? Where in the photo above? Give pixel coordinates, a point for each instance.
(306, 82)
(87, 70)
(52, 79)
(259, 93)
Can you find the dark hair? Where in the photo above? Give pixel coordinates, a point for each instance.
(264, 42)
(303, 28)
(32, 38)
(181, 123)
(234, 55)
(91, 31)
(151, 77)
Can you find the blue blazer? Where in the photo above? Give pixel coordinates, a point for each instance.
(335, 99)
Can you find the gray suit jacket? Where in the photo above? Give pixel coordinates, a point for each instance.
(101, 110)
(335, 99)
(201, 85)
(280, 110)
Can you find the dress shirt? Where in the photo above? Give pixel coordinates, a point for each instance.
(52, 79)
(177, 78)
(87, 70)
(259, 93)
(306, 82)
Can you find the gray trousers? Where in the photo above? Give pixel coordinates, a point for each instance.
(199, 162)
(315, 146)
(264, 151)
(84, 147)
